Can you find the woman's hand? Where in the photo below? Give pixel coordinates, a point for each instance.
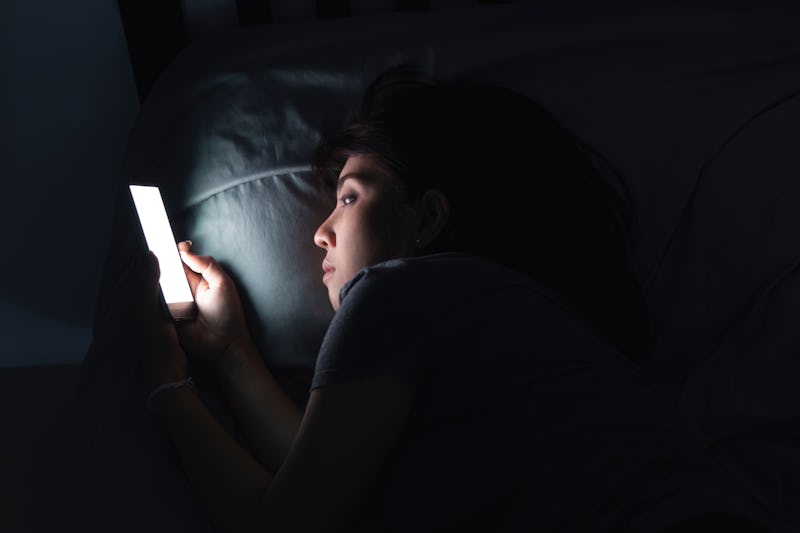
(163, 360)
(220, 322)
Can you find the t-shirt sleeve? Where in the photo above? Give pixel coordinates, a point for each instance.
(380, 330)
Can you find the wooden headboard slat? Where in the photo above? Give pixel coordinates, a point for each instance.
(157, 30)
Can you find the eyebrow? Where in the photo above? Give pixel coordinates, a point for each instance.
(359, 176)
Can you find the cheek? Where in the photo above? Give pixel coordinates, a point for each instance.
(357, 245)
(362, 244)
(375, 234)
(391, 232)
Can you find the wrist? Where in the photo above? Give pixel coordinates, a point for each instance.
(155, 379)
(163, 364)
(166, 389)
(238, 357)
(238, 350)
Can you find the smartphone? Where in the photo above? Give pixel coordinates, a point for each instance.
(161, 241)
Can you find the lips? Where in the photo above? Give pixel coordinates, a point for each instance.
(328, 270)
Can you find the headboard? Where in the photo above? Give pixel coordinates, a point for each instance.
(157, 31)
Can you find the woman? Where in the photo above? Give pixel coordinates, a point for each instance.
(477, 373)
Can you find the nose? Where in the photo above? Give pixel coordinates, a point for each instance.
(324, 237)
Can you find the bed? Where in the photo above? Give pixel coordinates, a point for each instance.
(696, 107)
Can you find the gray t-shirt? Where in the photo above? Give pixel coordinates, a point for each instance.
(522, 419)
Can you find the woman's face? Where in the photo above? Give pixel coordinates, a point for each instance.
(369, 224)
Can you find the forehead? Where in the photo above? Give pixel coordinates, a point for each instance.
(364, 168)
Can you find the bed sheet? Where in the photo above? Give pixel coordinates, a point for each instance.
(694, 106)
(730, 329)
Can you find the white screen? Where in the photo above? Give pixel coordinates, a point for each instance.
(159, 237)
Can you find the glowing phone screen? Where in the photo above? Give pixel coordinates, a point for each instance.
(160, 239)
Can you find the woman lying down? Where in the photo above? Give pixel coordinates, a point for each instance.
(480, 371)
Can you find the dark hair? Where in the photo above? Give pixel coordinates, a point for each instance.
(523, 191)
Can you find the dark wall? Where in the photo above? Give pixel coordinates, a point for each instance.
(69, 101)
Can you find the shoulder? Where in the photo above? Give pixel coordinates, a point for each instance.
(438, 275)
(436, 295)
(402, 316)
(440, 292)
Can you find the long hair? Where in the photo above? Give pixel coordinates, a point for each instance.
(523, 191)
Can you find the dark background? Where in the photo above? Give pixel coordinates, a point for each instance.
(74, 75)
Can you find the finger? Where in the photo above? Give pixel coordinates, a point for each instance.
(206, 266)
(147, 268)
(147, 275)
(192, 277)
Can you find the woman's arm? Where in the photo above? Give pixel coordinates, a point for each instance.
(219, 335)
(345, 436)
(268, 416)
(228, 481)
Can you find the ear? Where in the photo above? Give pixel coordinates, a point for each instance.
(434, 215)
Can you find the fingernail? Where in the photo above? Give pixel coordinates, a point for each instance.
(187, 241)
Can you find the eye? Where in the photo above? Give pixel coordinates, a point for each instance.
(348, 199)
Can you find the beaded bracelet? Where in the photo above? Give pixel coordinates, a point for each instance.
(167, 386)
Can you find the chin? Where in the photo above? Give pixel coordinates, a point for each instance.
(333, 296)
